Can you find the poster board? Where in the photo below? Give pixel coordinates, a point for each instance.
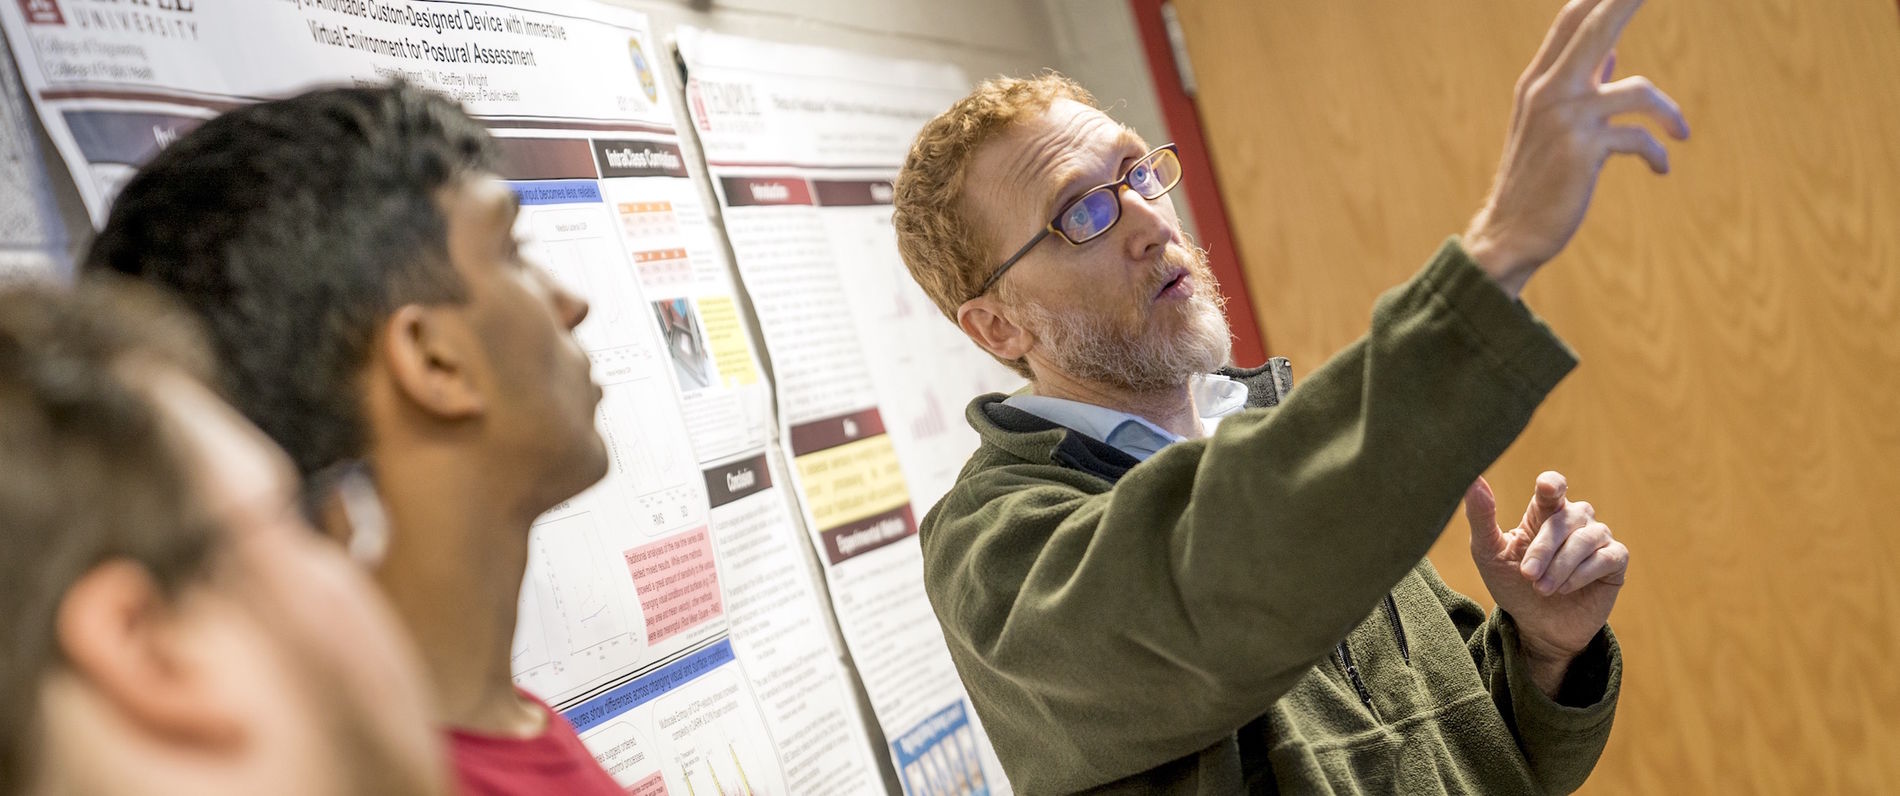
(802, 145)
(676, 612)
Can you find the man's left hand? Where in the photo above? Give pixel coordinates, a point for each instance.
(1557, 573)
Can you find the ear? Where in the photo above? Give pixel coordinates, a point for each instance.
(123, 638)
(429, 355)
(982, 319)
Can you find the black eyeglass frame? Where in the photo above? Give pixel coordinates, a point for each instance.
(1117, 186)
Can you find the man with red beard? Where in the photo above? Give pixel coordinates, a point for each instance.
(1158, 574)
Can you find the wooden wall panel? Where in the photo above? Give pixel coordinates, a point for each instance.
(1737, 415)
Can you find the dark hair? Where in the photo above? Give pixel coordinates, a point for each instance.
(296, 227)
(88, 473)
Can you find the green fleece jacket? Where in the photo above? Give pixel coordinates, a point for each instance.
(1251, 612)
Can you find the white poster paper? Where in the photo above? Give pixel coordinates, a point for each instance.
(675, 621)
(802, 145)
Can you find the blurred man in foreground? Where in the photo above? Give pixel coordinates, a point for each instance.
(169, 622)
(1150, 582)
(354, 255)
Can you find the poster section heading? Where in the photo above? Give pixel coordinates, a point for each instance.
(634, 693)
(542, 157)
(768, 191)
(735, 481)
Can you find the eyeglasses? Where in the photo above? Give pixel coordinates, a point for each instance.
(1095, 212)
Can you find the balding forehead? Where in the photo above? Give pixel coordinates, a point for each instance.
(1076, 166)
(1017, 177)
(1055, 148)
(1065, 128)
(1064, 156)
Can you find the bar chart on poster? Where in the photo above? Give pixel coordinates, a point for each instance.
(736, 607)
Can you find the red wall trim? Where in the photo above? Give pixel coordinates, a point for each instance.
(1210, 215)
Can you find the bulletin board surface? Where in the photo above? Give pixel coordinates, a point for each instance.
(737, 606)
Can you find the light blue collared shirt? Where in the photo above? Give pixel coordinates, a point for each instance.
(1215, 397)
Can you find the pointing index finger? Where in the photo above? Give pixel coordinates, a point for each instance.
(1595, 39)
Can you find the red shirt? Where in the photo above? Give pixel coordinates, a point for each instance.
(554, 762)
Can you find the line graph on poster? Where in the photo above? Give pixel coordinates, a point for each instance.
(650, 456)
(571, 606)
(579, 245)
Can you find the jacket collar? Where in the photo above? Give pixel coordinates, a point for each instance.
(1034, 439)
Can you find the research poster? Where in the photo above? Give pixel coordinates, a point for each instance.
(802, 145)
(670, 611)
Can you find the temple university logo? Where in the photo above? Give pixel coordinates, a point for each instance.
(42, 12)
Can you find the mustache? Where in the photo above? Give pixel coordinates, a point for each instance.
(1192, 258)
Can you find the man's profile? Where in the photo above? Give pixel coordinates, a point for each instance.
(353, 253)
(1158, 574)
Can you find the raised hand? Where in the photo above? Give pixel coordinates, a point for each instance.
(1557, 573)
(1563, 130)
